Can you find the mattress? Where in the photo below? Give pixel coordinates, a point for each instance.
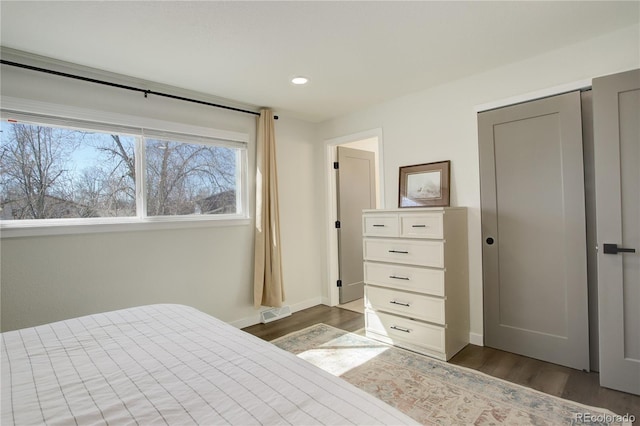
(169, 364)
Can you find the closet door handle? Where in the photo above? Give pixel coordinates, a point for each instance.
(614, 249)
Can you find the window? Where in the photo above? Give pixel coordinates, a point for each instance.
(55, 171)
(51, 173)
(184, 179)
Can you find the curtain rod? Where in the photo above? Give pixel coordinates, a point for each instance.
(122, 86)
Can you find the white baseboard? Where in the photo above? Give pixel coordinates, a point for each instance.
(255, 319)
(476, 339)
(246, 322)
(326, 301)
(306, 304)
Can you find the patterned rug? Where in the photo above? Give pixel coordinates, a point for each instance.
(432, 391)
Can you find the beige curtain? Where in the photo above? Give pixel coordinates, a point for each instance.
(267, 280)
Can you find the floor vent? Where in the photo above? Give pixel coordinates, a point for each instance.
(275, 314)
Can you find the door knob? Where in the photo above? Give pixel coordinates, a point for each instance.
(489, 240)
(614, 249)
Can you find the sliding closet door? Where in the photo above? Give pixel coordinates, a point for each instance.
(616, 115)
(533, 225)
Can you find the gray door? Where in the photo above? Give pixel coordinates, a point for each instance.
(533, 226)
(356, 192)
(616, 120)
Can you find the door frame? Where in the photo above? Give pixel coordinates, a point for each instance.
(330, 156)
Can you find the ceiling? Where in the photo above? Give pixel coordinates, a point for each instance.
(356, 53)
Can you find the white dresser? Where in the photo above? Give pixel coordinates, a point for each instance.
(416, 278)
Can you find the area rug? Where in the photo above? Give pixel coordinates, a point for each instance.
(431, 391)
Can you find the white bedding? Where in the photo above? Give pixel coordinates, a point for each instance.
(169, 364)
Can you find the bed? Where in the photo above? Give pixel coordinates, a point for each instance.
(169, 364)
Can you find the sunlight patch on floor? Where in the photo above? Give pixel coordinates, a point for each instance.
(355, 306)
(337, 357)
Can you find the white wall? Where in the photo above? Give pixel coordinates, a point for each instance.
(440, 124)
(301, 203)
(45, 279)
(50, 278)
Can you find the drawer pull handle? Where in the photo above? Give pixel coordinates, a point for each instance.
(418, 226)
(400, 303)
(399, 278)
(405, 330)
(399, 251)
(379, 226)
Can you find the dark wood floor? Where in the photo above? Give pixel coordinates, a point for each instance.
(549, 378)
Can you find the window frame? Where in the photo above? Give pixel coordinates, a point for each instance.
(34, 112)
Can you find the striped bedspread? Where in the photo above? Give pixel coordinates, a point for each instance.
(169, 364)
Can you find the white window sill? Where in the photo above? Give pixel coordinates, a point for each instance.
(36, 228)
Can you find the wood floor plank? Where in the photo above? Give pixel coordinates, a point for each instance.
(575, 385)
(475, 359)
(550, 380)
(505, 364)
(336, 317)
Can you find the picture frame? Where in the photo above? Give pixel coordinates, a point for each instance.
(424, 185)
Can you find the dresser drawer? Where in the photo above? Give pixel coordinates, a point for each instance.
(421, 280)
(411, 252)
(411, 305)
(397, 329)
(428, 225)
(378, 225)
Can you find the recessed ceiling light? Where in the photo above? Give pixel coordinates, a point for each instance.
(299, 80)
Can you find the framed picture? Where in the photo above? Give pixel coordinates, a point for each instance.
(424, 185)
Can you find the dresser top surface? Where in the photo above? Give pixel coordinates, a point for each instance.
(413, 209)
